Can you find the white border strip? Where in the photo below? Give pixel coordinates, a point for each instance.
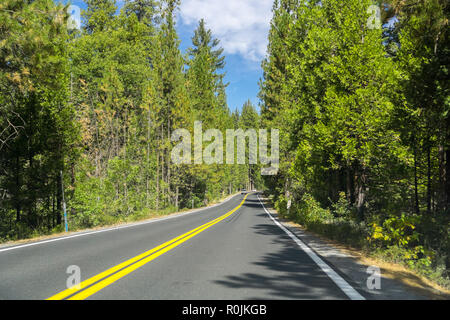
(337, 279)
(113, 229)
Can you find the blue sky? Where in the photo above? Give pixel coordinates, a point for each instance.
(242, 27)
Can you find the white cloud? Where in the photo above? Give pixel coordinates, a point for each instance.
(240, 25)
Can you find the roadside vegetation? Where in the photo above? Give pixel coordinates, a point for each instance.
(363, 111)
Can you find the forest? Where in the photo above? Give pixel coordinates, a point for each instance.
(360, 92)
(91, 112)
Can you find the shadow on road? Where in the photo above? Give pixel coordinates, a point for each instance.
(287, 273)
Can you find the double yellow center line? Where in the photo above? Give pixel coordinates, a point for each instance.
(92, 285)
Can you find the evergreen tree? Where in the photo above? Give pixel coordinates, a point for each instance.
(37, 127)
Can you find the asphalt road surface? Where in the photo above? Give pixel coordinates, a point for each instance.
(232, 251)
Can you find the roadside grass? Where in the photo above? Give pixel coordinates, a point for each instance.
(352, 238)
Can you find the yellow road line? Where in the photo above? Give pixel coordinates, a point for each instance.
(112, 275)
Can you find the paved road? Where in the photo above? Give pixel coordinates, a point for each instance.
(241, 255)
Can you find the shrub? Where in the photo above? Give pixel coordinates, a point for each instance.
(281, 206)
(310, 211)
(398, 231)
(341, 208)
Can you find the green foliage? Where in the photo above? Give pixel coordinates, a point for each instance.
(399, 231)
(416, 258)
(100, 104)
(37, 126)
(310, 211)
(341, 208)
(364, 123)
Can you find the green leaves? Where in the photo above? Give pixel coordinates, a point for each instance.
(36, 117)
(364, 115)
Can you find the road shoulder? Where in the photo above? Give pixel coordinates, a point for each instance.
(396, 283)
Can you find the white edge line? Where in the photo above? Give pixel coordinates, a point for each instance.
(115, 228)
(337, 279)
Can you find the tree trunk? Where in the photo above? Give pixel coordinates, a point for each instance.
(17, 191)
(176, 197)
(416, 190)
(169, 161)
(349, 185)
(162, 163)
(361, 193)
(441, 201)
(428, 177)
(58, 200)
(157, 181)
(447, 179)
(125, 134)
(147, 178)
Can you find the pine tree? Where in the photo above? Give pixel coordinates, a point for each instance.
(423, 58)
(37, 119)
(205, 82)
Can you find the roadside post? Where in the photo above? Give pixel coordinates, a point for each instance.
(66, 226)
